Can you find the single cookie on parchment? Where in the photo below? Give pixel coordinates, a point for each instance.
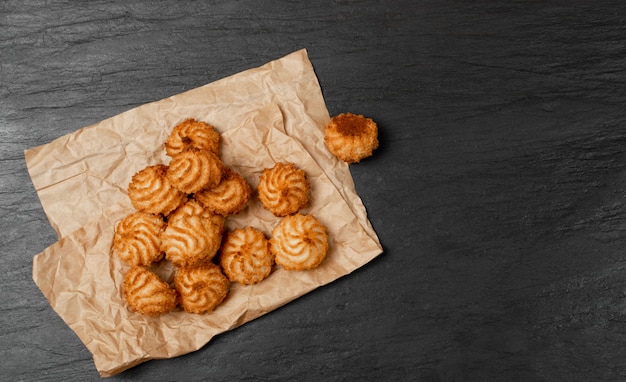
(245, 256)
(146, 293)
(201, 289)
(192, 134)
(228, 197)
(151, 191)
(299, 242)
(193, 170)
(137, 238)
(192, 236)
(283, 189)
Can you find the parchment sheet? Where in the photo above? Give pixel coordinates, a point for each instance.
(268, 114)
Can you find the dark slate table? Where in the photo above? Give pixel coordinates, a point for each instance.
(498, 192)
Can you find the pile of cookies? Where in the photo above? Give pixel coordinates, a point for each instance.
(180, 213)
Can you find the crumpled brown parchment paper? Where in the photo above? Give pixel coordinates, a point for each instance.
(272, 113)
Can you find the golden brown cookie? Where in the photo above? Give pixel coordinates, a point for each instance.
(192, 134)
(228, 197)
(192, 236)
(201, 289)
(299, 242)
(193, 170)
(146, 293)
(283, 189)
(351, 137)
(245, 256)
(150, 191)
(194, 207)
(137, 239)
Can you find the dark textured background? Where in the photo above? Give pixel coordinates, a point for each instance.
(498, 191)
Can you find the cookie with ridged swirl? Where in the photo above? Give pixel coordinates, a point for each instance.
(192, 134)
(229, 196)
(150, 191)
(194, 207)
(299, 242)
(245, 256)
(146, 293)
(137, 238)
(201, 289)
(193, 170)
(192, 236)
(351, 137)
(283, 189)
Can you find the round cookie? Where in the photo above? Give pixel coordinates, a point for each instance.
(228, 197)
(193, 170)
(192, 134)
(150, 191)
(351, 137)
(283, 189)
(192, 236)
(299, 242)
(245, 256)
(201, 289)
(146, 293)
(137, 239)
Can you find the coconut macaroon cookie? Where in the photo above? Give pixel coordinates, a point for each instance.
(245, 256)
(283, 189)
(192, 236)
(201, 289)
(192, 134)
(299, 242)
(151, 191)
(146, 293)
(351, 137)
(137, 238)
(192, 170)
(228, 197)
